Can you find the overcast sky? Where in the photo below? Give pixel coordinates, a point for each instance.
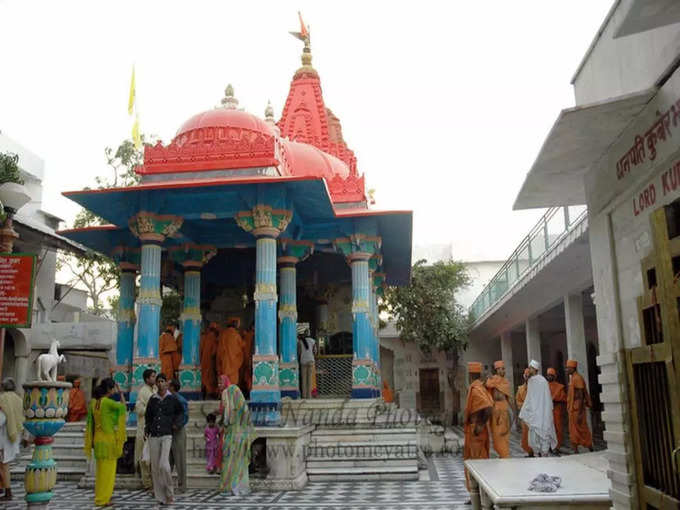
(445, 103)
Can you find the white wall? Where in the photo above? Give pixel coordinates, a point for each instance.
(627, 64)
(480, 274)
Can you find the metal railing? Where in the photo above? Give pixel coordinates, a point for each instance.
(556, 223)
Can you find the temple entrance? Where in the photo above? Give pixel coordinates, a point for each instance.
(653, 368)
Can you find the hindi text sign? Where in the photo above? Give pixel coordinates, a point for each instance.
(16, 290)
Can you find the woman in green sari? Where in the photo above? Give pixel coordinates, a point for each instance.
(237, 436)
(105, 434)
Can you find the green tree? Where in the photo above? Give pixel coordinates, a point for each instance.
(426, 310)
(97, 273)
(9, 168)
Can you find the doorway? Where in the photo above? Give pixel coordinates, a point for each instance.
(429, 390)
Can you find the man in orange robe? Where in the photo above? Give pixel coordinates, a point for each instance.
(478, 407)
(230, 353)
(167, 351)
(520, 398)
(559, 398)
(77, 409)
(247, 367)
(387, 394)
(177, 358)
(499, 389)
(578, 399)
(207, 353)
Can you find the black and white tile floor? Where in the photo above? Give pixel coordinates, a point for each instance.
(446, 491)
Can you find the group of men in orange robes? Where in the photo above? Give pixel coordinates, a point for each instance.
(488, 408)
(226, 352)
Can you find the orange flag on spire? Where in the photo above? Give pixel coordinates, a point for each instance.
(303, 28)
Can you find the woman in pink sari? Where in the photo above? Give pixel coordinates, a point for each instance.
(237, 436)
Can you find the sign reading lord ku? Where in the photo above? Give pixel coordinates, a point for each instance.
(645, 145)
(16, 290)
(667, 182)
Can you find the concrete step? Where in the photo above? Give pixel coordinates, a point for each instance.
(362, 435)
(69, 474)
(62, 460)
(59, 450)
(361, 443)
(203, 481)
(361, 473)
(367, 463)
(68, 438)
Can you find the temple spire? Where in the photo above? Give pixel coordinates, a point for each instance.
(269, 113)
(303, 35)
(229, 101)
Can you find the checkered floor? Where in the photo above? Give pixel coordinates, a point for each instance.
(446, 490)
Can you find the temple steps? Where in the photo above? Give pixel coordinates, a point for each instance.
(67, 451)
(362, 453)
(343, 473)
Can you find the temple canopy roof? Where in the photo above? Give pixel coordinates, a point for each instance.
(224, 160)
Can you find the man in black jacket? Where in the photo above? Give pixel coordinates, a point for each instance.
(164, 414)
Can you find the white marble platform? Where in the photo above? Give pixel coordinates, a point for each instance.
(504, 483)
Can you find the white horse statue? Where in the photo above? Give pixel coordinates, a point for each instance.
(47, 363)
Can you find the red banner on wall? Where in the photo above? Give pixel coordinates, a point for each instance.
(16, 290)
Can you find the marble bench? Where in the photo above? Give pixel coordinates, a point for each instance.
(502, 484)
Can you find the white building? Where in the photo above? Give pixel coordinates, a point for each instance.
(618, 151)
(57, 312)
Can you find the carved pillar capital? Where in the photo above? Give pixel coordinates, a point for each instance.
(264, 221)
(152, 227)
(192, 256)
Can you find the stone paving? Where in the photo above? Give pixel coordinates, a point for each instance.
(445, 490)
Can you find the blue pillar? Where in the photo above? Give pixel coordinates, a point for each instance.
(126, 329)
(376, 335)
(149, 300)
(265, 396)
(192, 258)
(289, 379)
(190, 369)
(363, 380)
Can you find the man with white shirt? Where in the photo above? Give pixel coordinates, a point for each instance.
(537, 412)
(307, 350)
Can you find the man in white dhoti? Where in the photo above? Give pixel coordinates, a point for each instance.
(537, 412)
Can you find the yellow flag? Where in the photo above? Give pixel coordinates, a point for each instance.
(131, 100)
(135, 133)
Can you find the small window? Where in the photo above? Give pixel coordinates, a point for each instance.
(652, 322)
(673, 219)
(651, 278)
(676, 265)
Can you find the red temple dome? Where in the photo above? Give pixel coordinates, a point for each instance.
(302, 159)
(226, 116)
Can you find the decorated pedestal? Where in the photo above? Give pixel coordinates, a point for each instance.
(45, 408)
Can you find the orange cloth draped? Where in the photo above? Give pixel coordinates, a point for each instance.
(476, 445)
(77, 408)
(247, 367)
(230, 354)
(499, 388)
(520, 398)
(559, 398)
(207, 351)
(579, 433)
(177, 357)
(387, 394)
(167, 351)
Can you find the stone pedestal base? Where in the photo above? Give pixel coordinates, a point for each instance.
(285, 456)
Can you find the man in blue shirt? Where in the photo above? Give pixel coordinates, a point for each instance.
(179, 439)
